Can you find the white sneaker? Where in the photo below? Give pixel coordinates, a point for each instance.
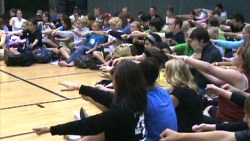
(72, 137)
(77, 115)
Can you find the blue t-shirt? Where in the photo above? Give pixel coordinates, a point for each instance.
(160, 113)
(94, 39)
(126, 29)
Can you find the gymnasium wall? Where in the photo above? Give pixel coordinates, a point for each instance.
(181, 6)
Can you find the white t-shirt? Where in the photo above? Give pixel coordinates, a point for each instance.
(112, 47)
(17, 24)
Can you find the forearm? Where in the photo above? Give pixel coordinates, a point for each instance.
(208, 136)
(133, 58)
(229, 44)
(108, 43)
(103, 97)
(213, 79)
(65, 34)
(65, 39)
(35, 42)
(233, 35)
(232, 127)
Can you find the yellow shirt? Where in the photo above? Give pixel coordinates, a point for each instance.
(161, 80)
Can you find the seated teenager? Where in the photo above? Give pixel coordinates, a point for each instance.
(227, 111)
(123, 120)
(33, 39)
(92, 47)
(241, 135)
(160, 112)
(185, 95)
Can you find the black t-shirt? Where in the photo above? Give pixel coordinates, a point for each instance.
(242, 135)
(210, 54)
(33, 36)
(178, 37)
(189, 111)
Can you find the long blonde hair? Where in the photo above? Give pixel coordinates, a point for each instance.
(178, 74)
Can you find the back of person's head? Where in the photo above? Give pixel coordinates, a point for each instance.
(178, 21)
(53, 9)
(84, 20)
(213, 21)
(153, 38)
(178, 74)
(77, 12)
(91, 17)
(163, 46)
(219, 6)
(145, 18)
(157, 23)
(156, 53)
(238, 18)
(244, 53)
(216, 12)
(150, 68)
(153, 7)
(116, 21)
(185, 27)
(67, 22)
(200, 34)
(130, 87)
(213, 32)
(170, 8)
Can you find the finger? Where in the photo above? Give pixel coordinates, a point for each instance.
(63, 83)
(225, 87)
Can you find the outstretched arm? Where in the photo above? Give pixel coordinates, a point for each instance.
(236, 78)
(170, 135)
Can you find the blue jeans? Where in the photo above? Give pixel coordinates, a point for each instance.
(77, 53)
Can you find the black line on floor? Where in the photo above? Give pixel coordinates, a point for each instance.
(41, 106)
(36, 78)
(36, 104)
(34, 84)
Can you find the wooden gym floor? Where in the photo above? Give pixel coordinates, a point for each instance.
(31, 97)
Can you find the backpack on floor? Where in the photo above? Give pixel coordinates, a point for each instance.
(24, 59)
(87, 61)
(44, 56)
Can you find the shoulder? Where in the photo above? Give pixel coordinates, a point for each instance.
(183, 90)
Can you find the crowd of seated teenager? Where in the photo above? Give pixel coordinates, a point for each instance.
(191, 71)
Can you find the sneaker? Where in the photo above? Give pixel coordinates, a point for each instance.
(77, 115)
(72, 137)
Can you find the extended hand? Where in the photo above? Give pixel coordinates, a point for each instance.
(70, 86)
(41, 130)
